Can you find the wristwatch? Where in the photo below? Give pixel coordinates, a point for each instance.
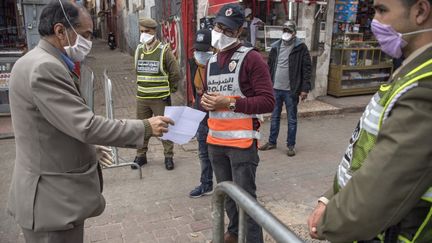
(232, 105)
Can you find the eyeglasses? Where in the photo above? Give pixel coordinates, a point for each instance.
(226, 31)
(285, 30)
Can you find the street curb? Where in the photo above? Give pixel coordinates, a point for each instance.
(6, 136)
(319, 113)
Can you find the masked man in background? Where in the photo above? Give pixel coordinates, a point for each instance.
(158, 74)
(203, 52)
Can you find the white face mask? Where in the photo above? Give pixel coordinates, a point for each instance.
(80, 49)
(146, 38)
(221, 41)
(202, 57)
(82, 46)
(287, 36)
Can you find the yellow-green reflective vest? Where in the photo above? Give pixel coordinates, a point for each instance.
(152, 79)
(364, 138)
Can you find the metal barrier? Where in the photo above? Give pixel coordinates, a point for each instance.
(87, 85)
(246, 204)
(109, 104)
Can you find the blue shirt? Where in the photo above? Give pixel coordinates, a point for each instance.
(68, 61)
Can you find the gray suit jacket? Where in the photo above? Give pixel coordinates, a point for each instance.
(55, 183)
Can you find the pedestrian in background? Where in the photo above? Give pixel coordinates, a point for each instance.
(203, 52)
(57, 181)
(251, 26)
(291, 70)
(238, 89)
(383, 186)
(157, 78)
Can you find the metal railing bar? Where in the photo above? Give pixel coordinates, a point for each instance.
(242, 226)
(262, 216)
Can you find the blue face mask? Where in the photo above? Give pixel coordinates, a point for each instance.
(202, 57)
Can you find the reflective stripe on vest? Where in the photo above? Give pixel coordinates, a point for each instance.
(152, 79)
(365, 134)
(230, 115)
(235, 134)
(428, 195)
(228, 128)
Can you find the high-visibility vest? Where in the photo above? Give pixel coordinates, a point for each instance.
(152, 79)
(365, 135)
(229, 128)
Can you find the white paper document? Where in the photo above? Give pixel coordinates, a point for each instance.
(186, 122)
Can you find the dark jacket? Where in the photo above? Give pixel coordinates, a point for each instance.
(300, 67)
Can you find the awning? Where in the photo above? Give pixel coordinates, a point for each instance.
(215, 5)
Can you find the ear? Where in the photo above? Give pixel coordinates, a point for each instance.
(422, 10)
(60, 31)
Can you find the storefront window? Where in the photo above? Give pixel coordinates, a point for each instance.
(12, 35)
(267, 19)
(358, 66)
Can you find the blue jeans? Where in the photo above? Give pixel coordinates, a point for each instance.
(206, 168)
(291, 101)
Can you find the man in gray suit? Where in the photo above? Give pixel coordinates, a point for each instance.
(56, 182)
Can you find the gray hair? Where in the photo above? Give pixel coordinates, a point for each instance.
(291, 25)
(53, 14)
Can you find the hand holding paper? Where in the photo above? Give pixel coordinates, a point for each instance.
(186, 122)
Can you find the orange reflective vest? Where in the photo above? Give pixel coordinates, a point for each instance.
(226, 127)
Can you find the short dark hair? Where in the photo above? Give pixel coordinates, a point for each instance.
(53, 14)
(409, 3)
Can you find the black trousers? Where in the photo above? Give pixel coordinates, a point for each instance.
(237, 165)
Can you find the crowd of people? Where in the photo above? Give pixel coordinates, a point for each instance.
(383, 186)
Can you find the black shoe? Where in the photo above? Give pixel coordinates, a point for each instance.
(201, 190)
(140, 161)
(169, 163)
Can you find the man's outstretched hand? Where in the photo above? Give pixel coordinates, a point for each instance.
(159, 125)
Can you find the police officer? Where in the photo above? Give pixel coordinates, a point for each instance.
(238, 89)
(157, 77)
(382, 189)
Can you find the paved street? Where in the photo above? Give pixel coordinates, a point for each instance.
(158, 209)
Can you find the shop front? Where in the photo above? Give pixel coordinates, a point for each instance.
(357, 64)
(12, 45)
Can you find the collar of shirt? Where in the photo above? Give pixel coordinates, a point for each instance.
(151, 46)
(411, 57)
(68, 61)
